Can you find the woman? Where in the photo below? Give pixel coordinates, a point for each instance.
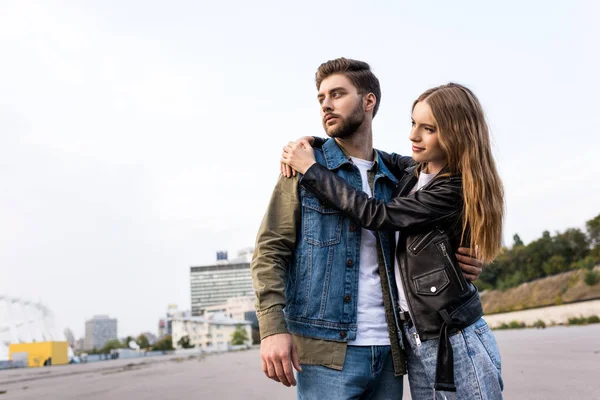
(453, 196)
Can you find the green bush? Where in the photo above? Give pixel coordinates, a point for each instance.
(594, 319)
(517, 325)
(539, 324)
(591, 277)
(578, 321)
(512, 325)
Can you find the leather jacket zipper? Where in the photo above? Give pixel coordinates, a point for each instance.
(451, 264)
(414, 320)
(418, 244)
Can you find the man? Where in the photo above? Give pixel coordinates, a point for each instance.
(341, 327)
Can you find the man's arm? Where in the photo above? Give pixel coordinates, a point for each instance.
(275, 244)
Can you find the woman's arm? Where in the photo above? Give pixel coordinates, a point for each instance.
(395, 162)
(423, 209)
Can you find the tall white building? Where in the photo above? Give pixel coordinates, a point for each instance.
(211, 333)
(98, 331)
(214, 284)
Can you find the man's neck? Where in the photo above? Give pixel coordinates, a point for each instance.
(359, 145)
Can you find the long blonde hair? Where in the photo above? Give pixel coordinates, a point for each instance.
(464, 136)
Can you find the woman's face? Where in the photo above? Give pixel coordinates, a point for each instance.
(424, 137)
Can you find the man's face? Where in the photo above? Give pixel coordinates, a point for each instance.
(342, 109)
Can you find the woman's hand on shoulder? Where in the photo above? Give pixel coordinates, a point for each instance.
(287, 170)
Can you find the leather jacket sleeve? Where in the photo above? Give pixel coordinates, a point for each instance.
(396, 163)
(426, 208)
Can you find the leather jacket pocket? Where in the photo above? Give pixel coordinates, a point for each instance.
(431, 283)
(321, 225)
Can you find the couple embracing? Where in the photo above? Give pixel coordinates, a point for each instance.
(364, 260)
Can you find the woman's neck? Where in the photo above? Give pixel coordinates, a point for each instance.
(433, 167)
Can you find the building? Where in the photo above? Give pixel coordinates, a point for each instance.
(214, 284)
(40, 354)
(234, 307)
(23, 321)
(164, 324)
(99, 330)
(211, 333)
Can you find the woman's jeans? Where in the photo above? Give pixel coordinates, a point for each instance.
(476, 364)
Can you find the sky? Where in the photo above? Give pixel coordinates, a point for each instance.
(138, 138)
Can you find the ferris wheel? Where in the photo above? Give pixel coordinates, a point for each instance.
(23, 321)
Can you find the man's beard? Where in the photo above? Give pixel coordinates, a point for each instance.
(346, 127)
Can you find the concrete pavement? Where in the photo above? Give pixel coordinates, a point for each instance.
(553, 363)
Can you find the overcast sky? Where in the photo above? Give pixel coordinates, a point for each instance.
(137, 138)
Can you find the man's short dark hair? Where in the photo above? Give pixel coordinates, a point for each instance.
(358, 72)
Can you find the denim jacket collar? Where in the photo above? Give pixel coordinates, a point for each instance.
(335, 157)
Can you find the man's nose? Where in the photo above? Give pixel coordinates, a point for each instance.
(327, 105)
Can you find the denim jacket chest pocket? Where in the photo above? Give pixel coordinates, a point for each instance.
(321, 224)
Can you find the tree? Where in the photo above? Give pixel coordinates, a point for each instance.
(593, 228)
(556, 264)
(184, 342)
(111, 345)
(572, 244)
(127, 340)
(517, 240)
(164, 344)
(239, 336)
(143, 341)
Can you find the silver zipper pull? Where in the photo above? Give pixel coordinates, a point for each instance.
(417, 339)
(443, 247)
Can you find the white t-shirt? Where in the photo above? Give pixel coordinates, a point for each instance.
(424, 179)
(371, 323)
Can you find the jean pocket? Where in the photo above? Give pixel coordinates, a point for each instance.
(321, 225)
(488, 341)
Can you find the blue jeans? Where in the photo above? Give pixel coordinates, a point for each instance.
(368, 373)
(476, 364)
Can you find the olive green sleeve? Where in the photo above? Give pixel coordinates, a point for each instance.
(275, 246)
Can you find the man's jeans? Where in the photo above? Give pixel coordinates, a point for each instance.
(368, 373)
(476, 364)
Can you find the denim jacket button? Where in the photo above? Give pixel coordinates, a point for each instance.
(352, 227)
(349, 262)
(433, 289)
(343, 334)
(347, 298)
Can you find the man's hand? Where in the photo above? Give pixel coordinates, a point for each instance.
(471, 267)
(278, 353)
(288, 171)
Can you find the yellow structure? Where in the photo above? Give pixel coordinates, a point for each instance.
(40, 353)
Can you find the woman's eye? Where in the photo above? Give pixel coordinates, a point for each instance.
(412, 123)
